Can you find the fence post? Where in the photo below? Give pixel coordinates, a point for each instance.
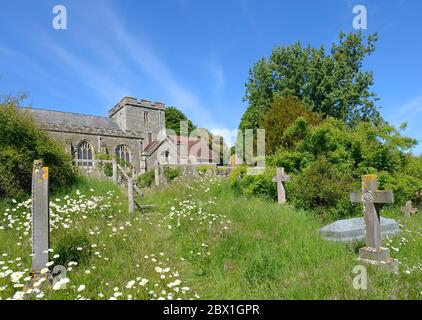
(40, 218)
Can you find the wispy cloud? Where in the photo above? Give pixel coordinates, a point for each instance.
(412, 107)
(148, 61)
(103, 54)
(219, 77)
(411, 113)
(92, 76)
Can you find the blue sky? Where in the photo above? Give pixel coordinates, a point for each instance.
(194, 54)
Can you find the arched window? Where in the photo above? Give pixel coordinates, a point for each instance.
(123, 153)
(85, 154)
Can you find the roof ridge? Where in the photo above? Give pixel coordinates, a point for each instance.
(66, 112)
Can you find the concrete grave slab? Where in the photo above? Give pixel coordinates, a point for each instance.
(354, 229)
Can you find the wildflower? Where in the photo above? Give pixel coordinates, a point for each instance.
(19, 295)
(44, 271)
(16, 276)
(130, 284)
(81, 288)
(61, 284)
(143, 282)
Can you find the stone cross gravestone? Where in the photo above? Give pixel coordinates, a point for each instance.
(408, 209)
(40, 217)
(281, 177)
(371, 198)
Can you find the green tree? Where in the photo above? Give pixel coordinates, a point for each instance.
(282, 113)
(173, 118)
(332, 84)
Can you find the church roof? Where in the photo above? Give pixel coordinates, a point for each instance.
(51, 117)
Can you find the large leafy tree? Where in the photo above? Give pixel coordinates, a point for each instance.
(282, 113)
(330, 83)
(173, 118)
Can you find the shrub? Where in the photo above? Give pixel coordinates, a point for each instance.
(171, 173)
(236, 177)
(257, 185)
(291, 161)
(323, 188)
(22, 142)
(223, 172)
(405, 187)
(105, 168)
(327, 160)
(146, 180)
(73, 247)
(204, 169)
(414, 167)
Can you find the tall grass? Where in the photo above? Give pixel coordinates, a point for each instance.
(219, 245)
(273, 252)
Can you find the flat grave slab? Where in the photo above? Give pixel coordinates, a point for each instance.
(354, 229)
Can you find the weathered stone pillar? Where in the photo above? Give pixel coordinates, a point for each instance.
(130, 194)
(40, 217)
(157, 174)
(115, 171)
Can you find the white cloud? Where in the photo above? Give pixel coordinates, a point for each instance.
(411, 113)
(219, 77)
(92, 76)
(414, 106)
(147, 60)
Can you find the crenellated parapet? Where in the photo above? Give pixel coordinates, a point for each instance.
(133, 102)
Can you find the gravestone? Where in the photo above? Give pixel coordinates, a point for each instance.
(281, 177)
(371, 199)
(115, 172)
(40, 218)
(130, 194)
(157, 174)
(408, 209)
(349, 230)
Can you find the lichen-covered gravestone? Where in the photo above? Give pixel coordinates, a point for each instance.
(408, 209)
(371, 198)
(40, 218)
(280, 178)
(156, 174)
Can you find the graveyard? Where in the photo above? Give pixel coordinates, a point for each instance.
(195, 245)
(281, 165)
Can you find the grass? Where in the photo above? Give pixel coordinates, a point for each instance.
(216, 244)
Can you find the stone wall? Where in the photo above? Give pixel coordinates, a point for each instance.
(101, 144)
(140, 116)
(132, 122)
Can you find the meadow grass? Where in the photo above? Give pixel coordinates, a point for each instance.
(203, 241)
